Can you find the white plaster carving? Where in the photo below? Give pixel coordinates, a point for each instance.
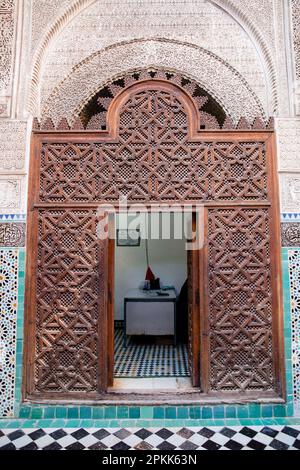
(7, 37)
(297, 98)
(257, 17)
(196, 21)
(290, 192)
(12, 194)
(288, 139)
(43, 13)
(281, 56)
(296, 34)
(232, 91)
(12, 145)
(7, 26)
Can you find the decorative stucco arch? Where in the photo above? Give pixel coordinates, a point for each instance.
(79, 5)
(231, 90)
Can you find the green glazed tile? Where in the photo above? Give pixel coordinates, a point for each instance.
(290, 409)
(134, 412)
(267, 411)
(60, 412)
(29, 423)
(46, 423)
(218, 412)
(206, 412)
(36, 413)
(243, 411)
(49, 413)
(230, 412)
(195, 412)
(122, 412)
(279, 411)
(69, 423)
(170, 413)
(73, 413)
(182, 412)
(268, 421)
(205, 422)
(110, 412)
(85, 412)
(232, 422)
(254, 410)
(98, 413)
(159, 412)
(147, 412)
(86, 423)
(24, 412)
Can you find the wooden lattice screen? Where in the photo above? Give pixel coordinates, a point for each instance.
(151, 152)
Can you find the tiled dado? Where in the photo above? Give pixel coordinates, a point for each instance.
(294, 275)
(11, 311)
(184, 412)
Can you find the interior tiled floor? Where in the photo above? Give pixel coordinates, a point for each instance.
(150, 359)
(192, 438)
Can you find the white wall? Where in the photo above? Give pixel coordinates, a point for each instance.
(168, 261)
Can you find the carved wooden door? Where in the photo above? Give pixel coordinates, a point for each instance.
(193, 316)
(70, 292)
(153, 153)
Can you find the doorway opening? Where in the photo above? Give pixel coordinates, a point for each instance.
(151, 306)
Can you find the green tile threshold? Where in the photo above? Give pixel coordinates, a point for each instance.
(140, 423)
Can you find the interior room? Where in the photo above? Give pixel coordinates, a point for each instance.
(151, 303)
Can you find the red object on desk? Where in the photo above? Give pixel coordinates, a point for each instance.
(149, 275)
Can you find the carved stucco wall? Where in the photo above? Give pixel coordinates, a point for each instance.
(288, 130)
(7, 41)
(288, 139)
(12, 131)
(68, 98)
(295, 33)
(12, 166)
(192, 20)
(196, 22)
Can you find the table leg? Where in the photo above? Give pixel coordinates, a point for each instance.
(175, 329)
(124, 325)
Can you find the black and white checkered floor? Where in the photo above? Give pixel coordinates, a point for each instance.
(149, 360)
(192, 438)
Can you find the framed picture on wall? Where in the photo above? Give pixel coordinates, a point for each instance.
(128, 237)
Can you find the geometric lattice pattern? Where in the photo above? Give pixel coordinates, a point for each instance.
(240, 308)
(94, 113)
(8, 320)
(165, 439)
(294, 272)
(153, 160)
(149, 360)
(68, 301)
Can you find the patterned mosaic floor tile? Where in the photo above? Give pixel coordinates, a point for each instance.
(226, 438)
(149, 360)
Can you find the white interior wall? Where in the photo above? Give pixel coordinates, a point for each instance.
(168, 261)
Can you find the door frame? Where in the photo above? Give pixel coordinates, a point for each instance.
(40, 137)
